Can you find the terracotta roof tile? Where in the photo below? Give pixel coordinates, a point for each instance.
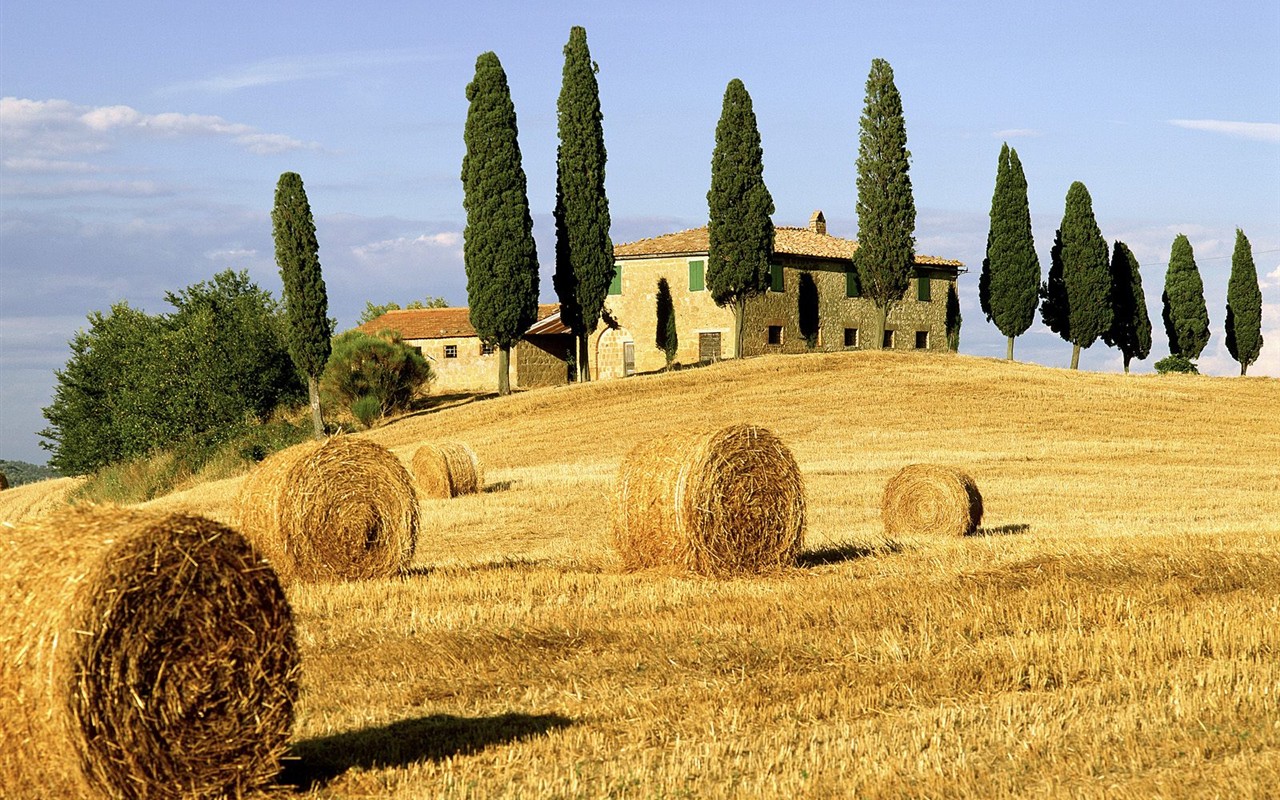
(435, 323)
(786, 241)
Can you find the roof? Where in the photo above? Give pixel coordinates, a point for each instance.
(548, 325)
(789, 241)
(436, 323)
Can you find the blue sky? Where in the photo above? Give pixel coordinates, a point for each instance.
(140, 142)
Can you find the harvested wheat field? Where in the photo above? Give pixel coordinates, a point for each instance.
(1111, 631)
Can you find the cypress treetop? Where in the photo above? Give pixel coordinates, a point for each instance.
(1130, 330)
(1244, 306)
(886, 207)
(1010, 278)
(1085, 269)
(740, 228)
(1186, 318)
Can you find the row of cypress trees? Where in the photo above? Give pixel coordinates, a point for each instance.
(1092, 292)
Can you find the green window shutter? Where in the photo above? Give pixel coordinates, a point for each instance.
(616, 286)
(852, 288)
(697, 282)
(775, 278)
(922, 288)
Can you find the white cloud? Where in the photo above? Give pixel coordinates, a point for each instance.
(1272, 278)
(288, 70)
(1260, 131)
(1017, 133)
(404, 246)
(79, 188)
(48, 166)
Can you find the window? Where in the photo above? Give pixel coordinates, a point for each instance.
(486, 349)
(922, 288)
(773, 334)
(850, 337)
(922, 340)
(450, 351)
(775, 278)
(616, 286)
(697, 280)
(852, 287)
(888, 340)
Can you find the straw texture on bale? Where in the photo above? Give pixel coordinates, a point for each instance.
(931, 500)
(447, 470)
(142, 655)
(725, 502)
(339, 509)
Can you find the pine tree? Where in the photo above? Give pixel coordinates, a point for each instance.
(886, 208)
(1244, 306)
(1186, 318)
(665, 337)
(584, 251)
(1008, 287)
(305, 300)
(1076, 299)
(1130, 331)
(740, 227)
(498, 248)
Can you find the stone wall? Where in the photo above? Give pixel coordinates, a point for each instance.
(543, 360)
(468, 371)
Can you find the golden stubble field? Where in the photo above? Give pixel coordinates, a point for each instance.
(1114, 631)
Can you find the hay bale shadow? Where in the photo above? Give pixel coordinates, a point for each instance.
(312, 763)
(498, 486)
(1002, 530)
(840, 553)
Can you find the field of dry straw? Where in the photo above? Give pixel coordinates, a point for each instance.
(1112, 631)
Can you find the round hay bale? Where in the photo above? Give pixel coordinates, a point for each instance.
(931, 500)
(447, 470)
(725, 502)
(338, 509)
(142, 654)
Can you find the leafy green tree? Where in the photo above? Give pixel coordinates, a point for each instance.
(1130, 329)
(374, 373)
(886, 207)
(1075, 300)
(305, 299)
(498, 248)
(1010, 280)
(1244, 306)
(374, 310)
(666, 338)
(740, 229)
(1186, 317)
(584, 251)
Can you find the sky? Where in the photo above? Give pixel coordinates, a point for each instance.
(140, 142)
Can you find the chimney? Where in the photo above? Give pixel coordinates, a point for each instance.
(818, 223)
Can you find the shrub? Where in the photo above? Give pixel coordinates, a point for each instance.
(365, 370)
(1176, 363)
(367, 410)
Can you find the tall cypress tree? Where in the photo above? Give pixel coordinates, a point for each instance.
(886, 207)
(498, 248)
(740, 228)
(1076, 298)
(1010, 280)
(305, 300)
(1130, 331)
(1186, 318)
(665, 335)
(584, 252)
(1244, 306)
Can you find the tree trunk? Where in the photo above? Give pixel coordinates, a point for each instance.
(504, 370)
(882, 320)
(1244, 369)
(584, 359)
(313, 392)
(1126, 363)
(739, 324)
(1075, 356)
(1009, 353)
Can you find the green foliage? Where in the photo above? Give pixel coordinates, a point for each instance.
(373, 310)
(1130, 330)
(665, 336)
(297, 255)
(584, 251)
(1176, 363)
(740, 228)
(20, 472)
(886, 207)
(807, 309)
(1244, 306)
(1186, 318)
(381, 367)
(1010, 280)
(1076, 297)
(498, 248)
(953, 318)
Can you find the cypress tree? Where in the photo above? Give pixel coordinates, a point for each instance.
(1186, 318)
(739, 227)
(305, 300)
(584, 251)
(498, 248)
(1244, 306)
(886, 208)
(1008, 287)
(665, 335)
(1130, 331)
(953, 317)
(1077, 303)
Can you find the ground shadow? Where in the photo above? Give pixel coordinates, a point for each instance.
(843, 552)
(1003, 530)
(513, 562)
(316, 762)
(498, 486)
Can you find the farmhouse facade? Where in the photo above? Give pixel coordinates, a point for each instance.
(813, 302)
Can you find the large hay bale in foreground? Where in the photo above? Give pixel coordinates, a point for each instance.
(142, 655)
(447, 470)
(930, 500)
(725, 502)
(339, 509)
